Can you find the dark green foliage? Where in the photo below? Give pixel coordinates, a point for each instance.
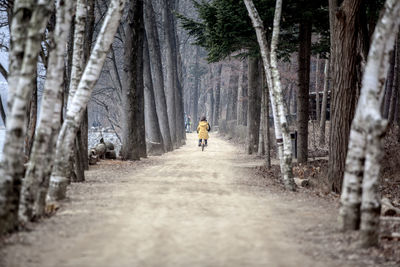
(225, 28)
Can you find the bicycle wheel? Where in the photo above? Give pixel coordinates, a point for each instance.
(202, 146)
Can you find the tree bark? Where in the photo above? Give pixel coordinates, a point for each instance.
(27, 51)
(232, 96)
(195, 89)
(317, 98)
(344, 85)
(65, 142)
(265, 110)
(36, 182)
(133, 92)
(324, 103)
(361, 180)
(155, 145)
(389, 86)
(253, 111)
(32, 109)
(156, 63)
(304, 91)
(395, 90)
(273, 78)
(171, 67)
(242, 94)
(19, 14)
(217, 95)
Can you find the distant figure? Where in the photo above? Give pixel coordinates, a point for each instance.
(188, 124)
(202, 129)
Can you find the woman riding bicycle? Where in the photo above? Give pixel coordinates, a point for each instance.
(202, 129)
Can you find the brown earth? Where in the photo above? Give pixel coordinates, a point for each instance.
(188, 208)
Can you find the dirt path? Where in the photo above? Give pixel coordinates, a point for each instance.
(186, 208)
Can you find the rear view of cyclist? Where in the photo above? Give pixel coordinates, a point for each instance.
(202, 129)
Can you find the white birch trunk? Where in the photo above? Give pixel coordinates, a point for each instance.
(19, 26)
(77, 55)
(368, 128)
(36, 180)
(273, 78)
(65, 142)
(12, 169)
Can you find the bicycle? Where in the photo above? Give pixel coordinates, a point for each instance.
(203, 144)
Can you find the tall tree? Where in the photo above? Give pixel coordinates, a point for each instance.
(59, 179)
(345, 59)
(133, 128)
(155, 145)
(361, 182)
(156, 63)
(12, 169)
(242, 94)
(303, 92)
(253, 108)
(324, 103)
(172, 81)
(270, 63)
(217, 94)
(36, 182)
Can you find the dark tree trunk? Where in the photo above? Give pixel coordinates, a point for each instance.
(217, 95)
(267, 139)
(155, 145)
(195, 88)
(254, 104)
(231, 110)
(303, 92)
(389, 86)
(345, 60)
(32, 118)
(172, 81)
(133, 128)
(156, 63)
(242, 94)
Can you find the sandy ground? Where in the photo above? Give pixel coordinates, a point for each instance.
(185, 208)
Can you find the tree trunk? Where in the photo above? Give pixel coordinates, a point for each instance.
(232, 96)
(265, 110)
(20, 15)
(395, 90)
(304, 91)
(366, 137)
(65, 142)
(242, 94)
(79, 154)
(31, 117)
(217, 94)
(345, 62)
(389, 86)
(324, 103)
(317, 98)
(195, 88)
(156, 63)
(12, 169)
(273, 78)
(172, 72)
(133, 92)
(155, 145)
(253, 111)
(87, 47)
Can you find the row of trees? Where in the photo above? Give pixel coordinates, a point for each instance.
(39, 161)
(342, 32)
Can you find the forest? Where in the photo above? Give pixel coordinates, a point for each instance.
(199, 132)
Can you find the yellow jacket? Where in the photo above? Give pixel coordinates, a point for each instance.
(203, 129)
